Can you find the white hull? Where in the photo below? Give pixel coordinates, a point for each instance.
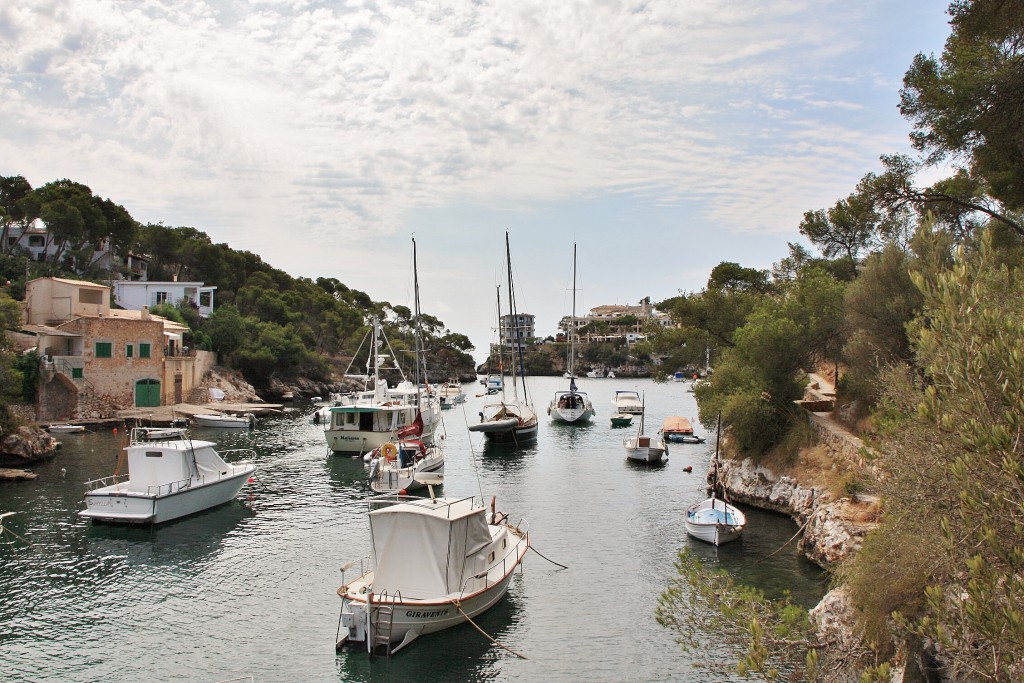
(65, 429)
(571, 415)
(387, 477)
(645, 449)
(714, 521)
(224, 421)
(628, 402)
(114, 504)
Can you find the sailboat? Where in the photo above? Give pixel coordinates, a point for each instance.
(651, 450)
(713, 520)
(504, 420)
(571, 406)
(396, 465)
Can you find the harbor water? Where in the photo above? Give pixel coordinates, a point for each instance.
(248, 589)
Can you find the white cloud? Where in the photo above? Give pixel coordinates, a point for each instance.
(343, 123)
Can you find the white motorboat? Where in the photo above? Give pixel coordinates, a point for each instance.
(494, 384)
(640, 447)
(572, 406)
(218, 421)
(714, 520)
(436, 563)
(596, 373)
(394, 467)
(167, 480)
(509, 420)
(65, 429)
(147, 434)
(625, 401)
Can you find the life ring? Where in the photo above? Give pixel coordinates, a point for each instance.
(389, 451)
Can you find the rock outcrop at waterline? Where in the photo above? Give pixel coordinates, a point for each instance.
(26, 446)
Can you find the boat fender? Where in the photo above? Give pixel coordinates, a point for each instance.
(389, 451)
(374, 465)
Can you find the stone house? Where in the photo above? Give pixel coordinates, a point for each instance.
(99, 360)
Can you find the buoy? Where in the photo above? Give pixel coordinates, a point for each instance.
(687, 469)
(115, 430)
(252, 479)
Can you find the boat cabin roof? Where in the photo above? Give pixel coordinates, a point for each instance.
(677, 424)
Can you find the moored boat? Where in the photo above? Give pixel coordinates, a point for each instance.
(640, 447)
(218, 421)
(395, 467)
(451, 394)
(167, 480)
(677, 429)
(509, 420)
(627, 401)
(65, 429)
(621, 419)
(572, 406)
(714, 520)
(436, 563)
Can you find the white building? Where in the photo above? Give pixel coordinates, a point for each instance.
(138, 295)
(521, 328)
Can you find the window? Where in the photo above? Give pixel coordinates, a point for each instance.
(159, 298)
(90, 296)
(204, 299)
(129, 350)
(103, 350)
(11, 241)
(143, 350)
(36, 241)
(76, 373)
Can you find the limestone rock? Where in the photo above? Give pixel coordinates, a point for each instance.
(10, 474)
(25, 446)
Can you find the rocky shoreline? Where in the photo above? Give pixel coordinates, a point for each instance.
(833, 528)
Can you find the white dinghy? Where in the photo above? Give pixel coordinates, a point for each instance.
(436, 563)
(219, 421)
(166, 480)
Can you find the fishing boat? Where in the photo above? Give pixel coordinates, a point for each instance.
(147, 434)
(625, 401)
(218, 421)
(621, 419)
(572, 406)
(167, 480)
(509, 420)
(640, 447)
(65, 429)
(436, 563)
(678, 429)
(714, 520)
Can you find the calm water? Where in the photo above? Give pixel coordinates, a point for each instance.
(248, 588)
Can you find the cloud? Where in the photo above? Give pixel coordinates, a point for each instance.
(346, 121)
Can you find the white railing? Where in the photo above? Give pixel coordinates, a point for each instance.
(105, 481)
(514, 551)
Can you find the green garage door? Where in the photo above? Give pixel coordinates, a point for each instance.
(147, 393)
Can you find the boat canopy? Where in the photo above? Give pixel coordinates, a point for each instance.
(676, 424)
(427, 550)
(152, 464)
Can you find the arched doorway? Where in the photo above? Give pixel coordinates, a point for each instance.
(147, 393)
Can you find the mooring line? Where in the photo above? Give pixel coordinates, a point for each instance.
(548, 558)
(487, 635)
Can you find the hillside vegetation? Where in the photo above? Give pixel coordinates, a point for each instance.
(915, 301)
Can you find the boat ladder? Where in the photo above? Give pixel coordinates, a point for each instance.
(381, 621)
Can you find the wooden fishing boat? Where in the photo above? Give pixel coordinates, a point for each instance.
(714, 520)
(436, 563)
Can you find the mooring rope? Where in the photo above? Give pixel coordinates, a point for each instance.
(548, 558)
(784, 544)
(487, 635)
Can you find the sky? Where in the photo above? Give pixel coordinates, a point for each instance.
(661, 137)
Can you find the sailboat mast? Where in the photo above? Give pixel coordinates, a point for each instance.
(418, 346)
(501, 346)
(572, 327)
(512, 316)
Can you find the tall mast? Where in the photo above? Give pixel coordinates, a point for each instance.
(418, 346)
(519, 332)
(572, 327)
(501, 346)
